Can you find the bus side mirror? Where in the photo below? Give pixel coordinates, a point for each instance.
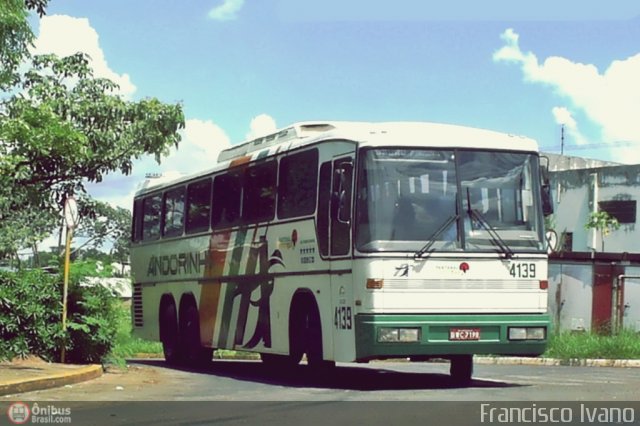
(343, 195)
(545, 189)
(547, 203)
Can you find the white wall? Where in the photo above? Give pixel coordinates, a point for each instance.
(570, 296)
(573, 196)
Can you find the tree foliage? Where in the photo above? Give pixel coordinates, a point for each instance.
(15, 36)
(64, 127)
(602, 222)
(102, 225)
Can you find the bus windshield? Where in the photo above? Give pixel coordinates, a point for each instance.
(447, 200)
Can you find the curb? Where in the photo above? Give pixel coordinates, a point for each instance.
(625, 363)
(51, 381)
(486, 360)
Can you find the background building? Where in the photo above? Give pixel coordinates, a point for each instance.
(592, 288)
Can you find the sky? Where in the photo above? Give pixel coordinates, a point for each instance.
(244, 68)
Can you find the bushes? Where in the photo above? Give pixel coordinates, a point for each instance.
(31, 318)
(92, 324)
(30, 314)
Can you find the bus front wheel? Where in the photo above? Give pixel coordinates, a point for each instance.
(305, 334)
(461, 368)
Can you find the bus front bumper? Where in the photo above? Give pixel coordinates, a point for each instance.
(380, 336)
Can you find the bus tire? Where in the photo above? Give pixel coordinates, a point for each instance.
(277, 361)
(194, 353)
(461, 369)
(169, 333)
(313, 347)
(297, 331)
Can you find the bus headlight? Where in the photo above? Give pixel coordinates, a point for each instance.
(403, 335)
(527, 333)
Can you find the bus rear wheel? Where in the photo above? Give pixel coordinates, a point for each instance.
(169, 334)
(461, 369)
(194, 352)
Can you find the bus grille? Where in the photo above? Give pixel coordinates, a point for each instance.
(137, 305)
(436, 284)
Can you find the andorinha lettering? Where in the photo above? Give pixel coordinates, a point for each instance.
(490, 413)
(178, 264)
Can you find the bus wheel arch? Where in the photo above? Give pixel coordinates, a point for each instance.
(305, 329)
(169, 334)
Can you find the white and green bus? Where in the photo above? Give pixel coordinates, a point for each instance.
(348, 242)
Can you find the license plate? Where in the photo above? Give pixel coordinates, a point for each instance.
(464, 334)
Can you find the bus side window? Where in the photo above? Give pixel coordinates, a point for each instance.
(136, 223)
(227, 192)
(324, 195)
(298, 184)
(173, 212)
(151, 217)
(259, 192)
(198, 206)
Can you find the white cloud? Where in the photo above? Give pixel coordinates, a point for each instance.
(564, 117)
(261, 125)
(227, 11)
(201, 143)
(66, 35)
(609, 99)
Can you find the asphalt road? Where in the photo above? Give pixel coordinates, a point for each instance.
(338, 397)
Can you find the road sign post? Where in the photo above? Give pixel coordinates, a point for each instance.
(71, 220)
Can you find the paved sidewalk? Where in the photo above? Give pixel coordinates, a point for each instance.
(35, 374)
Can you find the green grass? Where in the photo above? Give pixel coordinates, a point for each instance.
(564, 346)
(128, 346)
(625, 345)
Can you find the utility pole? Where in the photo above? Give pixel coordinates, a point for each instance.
(562, 140)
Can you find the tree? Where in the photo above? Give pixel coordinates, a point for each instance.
(63, 127)
(602, 222)
(15, 36)
(104, 224)
(24, 228)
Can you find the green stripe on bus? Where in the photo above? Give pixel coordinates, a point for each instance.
(434, 334)
(234, 269)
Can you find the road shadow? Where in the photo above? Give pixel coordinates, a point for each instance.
(350, 377)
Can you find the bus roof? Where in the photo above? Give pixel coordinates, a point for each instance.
(367, 134)
(378, 134)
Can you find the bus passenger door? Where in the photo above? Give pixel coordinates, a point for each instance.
(342, 322)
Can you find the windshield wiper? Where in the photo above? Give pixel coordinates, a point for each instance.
(495, 237)
(432, 239)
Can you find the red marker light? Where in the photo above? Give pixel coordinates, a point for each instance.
(464, 267)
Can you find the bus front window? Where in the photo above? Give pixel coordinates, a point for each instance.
(404, 198)
(447, 200)
(497, 188)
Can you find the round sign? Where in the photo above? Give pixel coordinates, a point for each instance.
(71, 215)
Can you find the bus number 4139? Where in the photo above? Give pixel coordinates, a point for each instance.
(523, 270)
(342, 318)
